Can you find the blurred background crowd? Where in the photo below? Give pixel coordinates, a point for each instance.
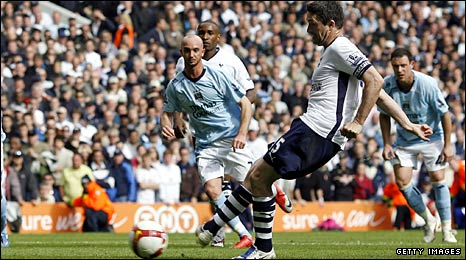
(82, 98)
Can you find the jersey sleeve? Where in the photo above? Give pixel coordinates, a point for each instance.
(242, 75)
(349, 59)
(170, 103)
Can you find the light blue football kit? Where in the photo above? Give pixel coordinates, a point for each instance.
(423, 104)
(211, 102)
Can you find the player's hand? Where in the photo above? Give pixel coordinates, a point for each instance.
(239, 142)
(447, 153)
(180, 132)
(388, 153)
(422, 131)
(351, 129)
(168, 132)
(179, 128)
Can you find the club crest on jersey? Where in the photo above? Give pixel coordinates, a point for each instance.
(316, 86)
(354, 59)
(198, 95)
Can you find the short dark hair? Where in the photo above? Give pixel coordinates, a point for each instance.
(326, 11)
(211, 22)
(400, 52)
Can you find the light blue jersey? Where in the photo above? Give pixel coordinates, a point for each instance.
(423, 104)
(211, 102)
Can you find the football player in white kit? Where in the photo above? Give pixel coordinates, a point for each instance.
(345, 87)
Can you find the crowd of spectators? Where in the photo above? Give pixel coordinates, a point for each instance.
(96, 90)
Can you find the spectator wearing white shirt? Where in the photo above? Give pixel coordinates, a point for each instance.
(256, 143)
(114, 92)
(171, 179)
(91, 56)
(148, 180)
(62, 119)
(87, 130)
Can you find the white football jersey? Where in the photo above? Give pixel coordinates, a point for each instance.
(336, 89)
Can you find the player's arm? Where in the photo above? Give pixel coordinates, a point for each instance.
(385, 127)
(251, 95)
(178, 125)
(447, 153)
(390, 107)
(246, 114)
(244, 79)
(167, 127)
(373, 83)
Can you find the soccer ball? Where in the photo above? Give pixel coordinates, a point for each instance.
(148, 239)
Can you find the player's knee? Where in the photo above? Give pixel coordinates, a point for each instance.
(260, 182)
(213, 192)
(437, 176)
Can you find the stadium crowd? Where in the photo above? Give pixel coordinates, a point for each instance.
(87, 98)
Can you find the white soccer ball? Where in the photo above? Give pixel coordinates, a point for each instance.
(148, 239)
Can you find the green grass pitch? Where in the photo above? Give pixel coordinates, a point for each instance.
(309, 245)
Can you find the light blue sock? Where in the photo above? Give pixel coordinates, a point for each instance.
(442, 200)
(414, 198)
(234, 223)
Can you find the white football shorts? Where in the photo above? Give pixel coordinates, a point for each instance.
(220, 159)
(431, 153)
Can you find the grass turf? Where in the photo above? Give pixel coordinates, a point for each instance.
(309, 245)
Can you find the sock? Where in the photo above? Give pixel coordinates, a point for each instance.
(414, 198)
(263, 213)
(442, 201)
(235, 223)
(236, 203)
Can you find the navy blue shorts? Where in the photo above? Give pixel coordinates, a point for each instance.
(300, 151)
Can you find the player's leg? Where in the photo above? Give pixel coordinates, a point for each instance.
(238, 201)
(237, 165)
(245, 238)
(443, 205)
(5, 240)
(436, 169)
(296, 153)
(219, 238)
(211, 170)
(260, 181)
(415, 201)
(407, 159)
